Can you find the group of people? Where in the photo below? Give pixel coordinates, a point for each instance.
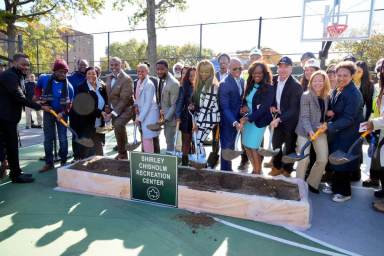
(329, 108)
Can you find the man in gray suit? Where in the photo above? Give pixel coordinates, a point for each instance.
(167, 94)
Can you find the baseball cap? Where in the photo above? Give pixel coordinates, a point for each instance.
(307, 55)
(313, 63)
(285, 60)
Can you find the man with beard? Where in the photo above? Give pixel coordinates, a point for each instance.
(12, 99)
(55, 91)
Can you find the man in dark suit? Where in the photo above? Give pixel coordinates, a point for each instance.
(287, 107)
(231, 90)
(12, 99)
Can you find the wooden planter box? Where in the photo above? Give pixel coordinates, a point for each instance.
(279, 200)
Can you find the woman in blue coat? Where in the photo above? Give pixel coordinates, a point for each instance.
(257, 100)
(343, 129)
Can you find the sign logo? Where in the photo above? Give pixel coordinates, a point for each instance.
(154, 178)
(153, 193)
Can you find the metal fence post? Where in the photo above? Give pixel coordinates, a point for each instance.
(67, 50)
(37, 57)
(259, 39)
(20, 43)
(201, 42)
(108, 49)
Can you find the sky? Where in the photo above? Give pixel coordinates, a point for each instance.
(283, 35)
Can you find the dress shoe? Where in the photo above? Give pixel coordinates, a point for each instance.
(371, 183)
(378, 206)
(26, 174)
(275, 172)
(46, 168)
(22, 179)
(379, 193)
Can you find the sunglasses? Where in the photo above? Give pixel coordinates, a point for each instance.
(237, 69)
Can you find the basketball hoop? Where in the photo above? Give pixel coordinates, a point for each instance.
(335, 30)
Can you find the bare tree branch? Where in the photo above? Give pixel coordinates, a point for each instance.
(36, 13)
(25, 2)
(162, 2)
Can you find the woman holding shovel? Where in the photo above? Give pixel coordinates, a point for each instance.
(346, 104)
(182, 114)
(258, 98)
(205, 104)
(313, 108)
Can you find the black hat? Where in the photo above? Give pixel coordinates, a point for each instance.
(349, 57)
(307, 55)
(285, 60)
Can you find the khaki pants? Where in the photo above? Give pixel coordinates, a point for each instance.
(320, 146)
(169, 132)
(28, 117)
(119, 124)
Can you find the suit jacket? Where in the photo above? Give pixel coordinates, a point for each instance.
(169, 95)
(86, 123)
(310, 113)
(343, 129)
(182, 103)
(261, 104)
(230, 101)
(148, 108)
(120, 97)
(289, 103)
(12, 98)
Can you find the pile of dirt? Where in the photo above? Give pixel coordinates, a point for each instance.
(204, 180)
(196, 220)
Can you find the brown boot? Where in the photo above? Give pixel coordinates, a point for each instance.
(122, 156)
(379, 206)
(46, 168)
(275, 172)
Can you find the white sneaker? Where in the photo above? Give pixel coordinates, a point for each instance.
(327, 189)
(340, 198)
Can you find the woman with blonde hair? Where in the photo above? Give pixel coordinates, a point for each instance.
(205, 104)
(313, 109)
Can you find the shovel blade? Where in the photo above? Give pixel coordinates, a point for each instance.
(154, 127)
(339, 157)
(198, 165)
(229, 154)
(292, 158)
(86, 142)
(133, 146)
(268, 152)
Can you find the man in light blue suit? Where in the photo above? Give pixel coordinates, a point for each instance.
(231, 91)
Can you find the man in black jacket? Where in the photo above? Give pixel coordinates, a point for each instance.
(287, 107)
(12, 99)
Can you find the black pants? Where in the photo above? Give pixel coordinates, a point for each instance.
(8, 135)
(341, 183)
(288, 138)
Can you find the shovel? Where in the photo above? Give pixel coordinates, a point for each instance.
(175, 141)
(269, 151)
(157, 126)
(339, 157)
(230, 154)
(135, 144)
(196, 163)
(293, 157)
(86, 142)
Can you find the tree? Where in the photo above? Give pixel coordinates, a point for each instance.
(134, 52)
(369, 50)
(154, 12)
(33, 10)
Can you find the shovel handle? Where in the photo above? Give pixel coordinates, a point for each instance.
(61, 120)
(317, 134)
(361, 138)
(365, 134)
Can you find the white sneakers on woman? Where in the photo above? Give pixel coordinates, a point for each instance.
(340, 198)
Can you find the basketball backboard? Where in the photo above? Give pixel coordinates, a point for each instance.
(333, 20)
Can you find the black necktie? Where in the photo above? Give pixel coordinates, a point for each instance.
(161, 83)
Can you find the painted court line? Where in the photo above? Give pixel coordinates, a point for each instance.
(280, 240)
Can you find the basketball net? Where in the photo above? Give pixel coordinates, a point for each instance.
(335, 30)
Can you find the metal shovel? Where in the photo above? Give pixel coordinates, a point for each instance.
(157, 126)
(86, 142)
(175, 140)
(293, 157)
(230, 154)
(196, 163)
(339, 157)
(269, 151)
(135, 144)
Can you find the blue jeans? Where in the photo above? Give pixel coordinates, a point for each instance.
(49, 122)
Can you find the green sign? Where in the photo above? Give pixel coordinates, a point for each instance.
(154, 178)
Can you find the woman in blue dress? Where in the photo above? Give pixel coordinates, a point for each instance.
(258, 98)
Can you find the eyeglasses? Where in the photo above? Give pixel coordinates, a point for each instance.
(237, 69)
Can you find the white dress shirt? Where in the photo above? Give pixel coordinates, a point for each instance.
(279, 90)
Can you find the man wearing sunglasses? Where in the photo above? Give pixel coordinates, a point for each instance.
(231, 91)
